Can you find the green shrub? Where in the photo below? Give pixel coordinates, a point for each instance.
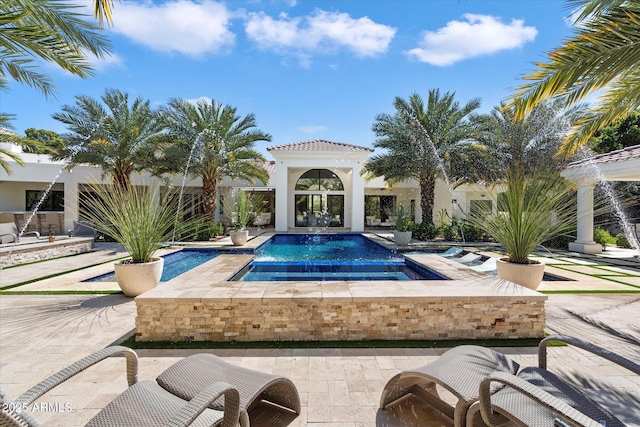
(602, 237)
(448, 232)
(471, 233)
(622, 241)
(207, 230)
(424, 231)
(559, 242)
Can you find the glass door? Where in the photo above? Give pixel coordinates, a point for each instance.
(319, 210)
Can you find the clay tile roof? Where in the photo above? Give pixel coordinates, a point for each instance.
(318, 145)
(5, 131)
(632, 152)
(269, 166)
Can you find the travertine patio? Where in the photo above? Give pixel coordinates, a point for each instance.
(40, 334)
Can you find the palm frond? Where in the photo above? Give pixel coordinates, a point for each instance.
(601, 56)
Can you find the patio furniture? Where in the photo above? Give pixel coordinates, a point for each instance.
(268, 399)
(263, 219)
(144, 403)
(388, 223)
(486, 267)
(9, 233)
(538, 397)
(489, 391)
(452, 251)
(468, 258)
(460, 370)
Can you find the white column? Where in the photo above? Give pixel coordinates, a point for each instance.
(70, 203)
(357, 200)
(282, 185)
(584, 242)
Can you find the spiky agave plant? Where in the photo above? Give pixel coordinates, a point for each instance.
(137, 217)
(531, 211)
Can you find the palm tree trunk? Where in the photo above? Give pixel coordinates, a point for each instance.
(427, 192)
(121, 180)
(209, 188)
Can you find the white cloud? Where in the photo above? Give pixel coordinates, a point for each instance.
(195, 101)
(102, 64)
(311, 129)
(320, 32)
(476, 36)
(183, 26)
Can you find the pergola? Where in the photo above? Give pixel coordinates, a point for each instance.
(620, 165)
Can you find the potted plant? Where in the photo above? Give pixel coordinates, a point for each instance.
(402, 234)
(530, 212)
(141, 221)
(241, 216)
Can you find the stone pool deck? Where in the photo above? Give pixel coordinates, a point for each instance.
(202, 305)
(40, 334)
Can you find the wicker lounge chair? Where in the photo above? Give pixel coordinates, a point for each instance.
(143, 404)
(459, 370)
(268, 399)
(490, 393)
(537, 397)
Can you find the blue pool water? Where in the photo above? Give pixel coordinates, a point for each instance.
(324, 247)
(325, 257)
(175, 264)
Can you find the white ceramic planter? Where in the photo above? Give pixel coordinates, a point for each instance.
(239, 238)
(402, 238)
(135, 279)
(528, 275)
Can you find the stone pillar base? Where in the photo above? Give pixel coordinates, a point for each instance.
(585, 248)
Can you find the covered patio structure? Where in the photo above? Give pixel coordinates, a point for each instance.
(619, 165)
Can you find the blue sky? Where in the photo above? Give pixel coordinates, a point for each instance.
(309, 69)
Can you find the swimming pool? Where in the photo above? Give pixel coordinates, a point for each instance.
(175, 264)
(327, 257)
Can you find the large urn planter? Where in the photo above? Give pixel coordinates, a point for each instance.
(239, 238)
(402, 238)
(528, 275)
(137, 278)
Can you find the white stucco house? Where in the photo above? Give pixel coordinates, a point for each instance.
(619, 165)
(311, 183)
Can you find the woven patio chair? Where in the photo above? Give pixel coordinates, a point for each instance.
(460, 370)
(538, 397)
(143, 404)
(268, 399)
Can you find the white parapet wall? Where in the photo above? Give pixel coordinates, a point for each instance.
(33, 251)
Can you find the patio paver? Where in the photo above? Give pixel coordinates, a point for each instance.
(40, 334)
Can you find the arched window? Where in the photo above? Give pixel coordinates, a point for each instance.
(319, 180)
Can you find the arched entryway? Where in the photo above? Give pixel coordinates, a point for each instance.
(319, 199)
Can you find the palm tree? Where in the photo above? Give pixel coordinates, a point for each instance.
(102, 11)
(521, 146)
(116, 138)
(603, 55)
(215, 141)
(50, 30)
(7, 135)
(419, 141)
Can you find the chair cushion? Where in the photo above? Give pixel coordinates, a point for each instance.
(521, 407)
(146, 404)
(189, 376)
